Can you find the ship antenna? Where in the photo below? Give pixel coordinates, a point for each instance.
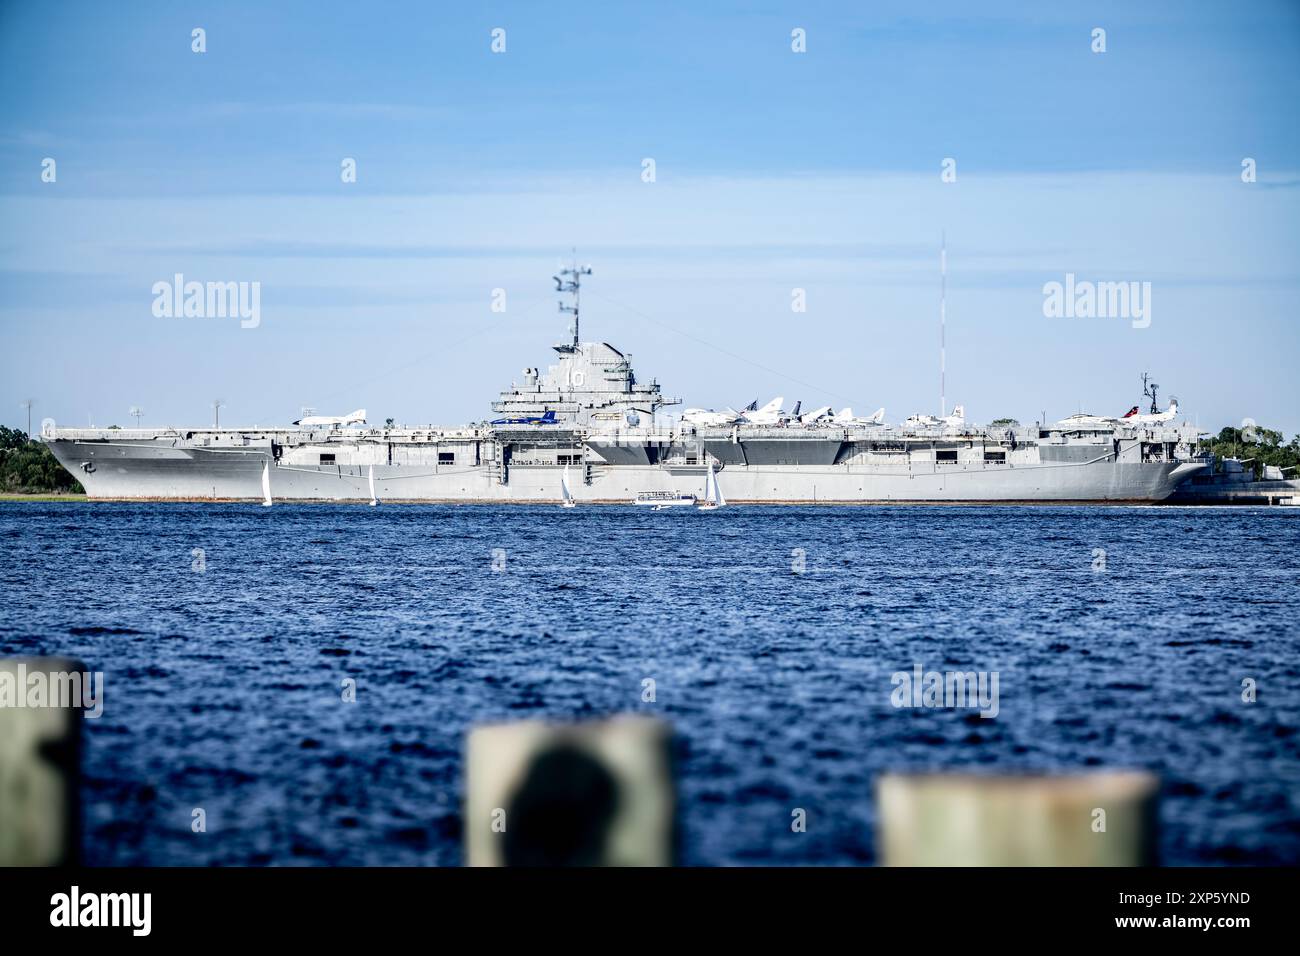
(569, 281)
(1149, 391)
(943, 321)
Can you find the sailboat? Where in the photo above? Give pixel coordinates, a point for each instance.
(266, 484)
(565, 490)
(713, 499)
(373, 499)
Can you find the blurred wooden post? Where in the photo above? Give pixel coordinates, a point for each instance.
(975, 820)
(596, 793)
(40, 770)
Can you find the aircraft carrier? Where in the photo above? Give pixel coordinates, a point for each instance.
(590, 417)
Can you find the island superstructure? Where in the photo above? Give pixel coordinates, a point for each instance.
(590, 412)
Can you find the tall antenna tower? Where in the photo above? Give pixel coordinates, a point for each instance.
(569, 282)
(943, 322)
(27, 404)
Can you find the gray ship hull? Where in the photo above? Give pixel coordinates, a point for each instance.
(158, 469)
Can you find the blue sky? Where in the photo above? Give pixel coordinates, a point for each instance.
(775, 171)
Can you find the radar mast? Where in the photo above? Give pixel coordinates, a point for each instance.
(1149, 390)
(569, 282)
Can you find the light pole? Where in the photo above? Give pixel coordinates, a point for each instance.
(216, 412)
(28, 405)
(137, 413)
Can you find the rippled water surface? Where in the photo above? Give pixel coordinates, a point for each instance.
(222, 687)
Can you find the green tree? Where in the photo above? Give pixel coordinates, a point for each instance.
(1263, 445)
(28, 467)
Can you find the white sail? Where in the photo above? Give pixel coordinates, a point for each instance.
(565, 489)
(374, 500)
(712, 492)
(266, 484)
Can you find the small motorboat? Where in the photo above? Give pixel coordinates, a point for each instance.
(662, 500)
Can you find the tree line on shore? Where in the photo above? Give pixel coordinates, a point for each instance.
(28, 467)
(1262, 445)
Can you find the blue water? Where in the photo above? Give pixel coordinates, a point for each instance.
(222, 687)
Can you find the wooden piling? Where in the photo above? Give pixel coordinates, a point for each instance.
(1094, 819)
(597, 793)
(40, 769)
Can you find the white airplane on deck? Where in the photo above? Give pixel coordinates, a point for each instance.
(356, 418)
(954, 422)
(845, 417)
(708, 418)
(769, 414)
(1131, 417)
(1156, 418)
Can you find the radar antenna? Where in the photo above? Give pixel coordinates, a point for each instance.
(943, 321)
(569, 282)
(1149, 390)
